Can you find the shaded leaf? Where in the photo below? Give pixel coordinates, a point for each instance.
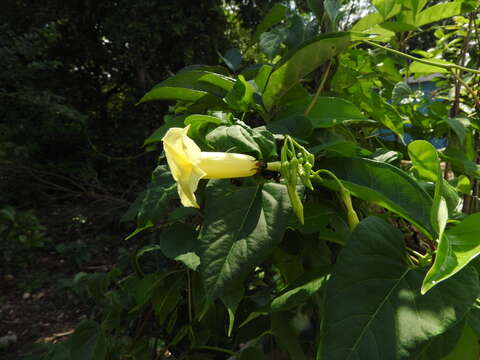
(384, 185)
(376, 312)
(242, 226)
(301, 62)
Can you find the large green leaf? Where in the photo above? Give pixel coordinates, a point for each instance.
(243, 139)
(88, 342)
(242, 226)
(286, 335)
(179, 242)
(276, 14)
(331, 111)
(426, 164)
(301, 62)
(384, 185)
(155, 204)
(191, 85)
(439, 12)
(438, 347)
(458, 246)
(373, 308)
(467, 347)
(387, 7)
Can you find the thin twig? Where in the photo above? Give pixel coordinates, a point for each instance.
(448, 67)
(319, 89)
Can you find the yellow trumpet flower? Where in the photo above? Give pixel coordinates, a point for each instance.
(189, 164)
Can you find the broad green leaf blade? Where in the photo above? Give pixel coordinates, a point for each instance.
(384, 185)
(459, 126)
(331, 111)
(443, 344)
(458, 246)
(286, 335)
(167, 296)
(439, 12)
(387, 7)
(242, 226)
(297, 126)
(425, 160)
(232, 58)
(373, 308)
(301, 290)
(467, 347)
(155, 204)
(88, 342)
(240, 97)
(328, 111)
(421, 68)
(240, 138)
(179, 242)
(426, 164)
(270, 42)
(301, 62)
(191, 85)
(386, 114)
(276, 14)
(231, 299)
(401, 91)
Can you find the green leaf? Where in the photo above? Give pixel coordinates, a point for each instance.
(332, 111)
(461, 162)
(439, 12)
(166, 297)
(386, 114)
(242, 226)
(467, 347)
(295, 32)
(190, 85)
(252, 353)
(240, 96)
(297, 126)
(301, 290)
(232, 58)
(88, 342)
(301, 62)
(401, 91)
(231, 299)
(286, 335)
(373, 308)
(387, 8)
(421, 68)
(276, 14)
(270, 42)
(368, 22)
(426, 163)
(384, 185)
(200, 123)
(443, 344)
(155, 204)
(179, 242)
(242, 139)
(332, 7)
(459, 127)
(458, 246)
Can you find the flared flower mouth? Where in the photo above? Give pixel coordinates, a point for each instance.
(189, 164)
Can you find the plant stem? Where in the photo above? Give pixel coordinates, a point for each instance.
(319, 89)
(448, 67)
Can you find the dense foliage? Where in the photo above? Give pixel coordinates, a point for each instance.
(357, 237)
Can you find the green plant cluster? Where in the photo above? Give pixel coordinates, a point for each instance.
(366, 246)
(20, 235)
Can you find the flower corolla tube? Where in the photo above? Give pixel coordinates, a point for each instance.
(189, 164)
